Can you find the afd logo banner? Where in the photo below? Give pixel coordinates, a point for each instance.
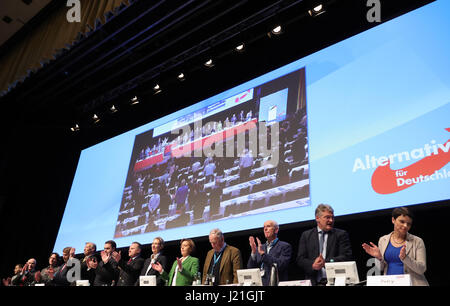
(427, 166)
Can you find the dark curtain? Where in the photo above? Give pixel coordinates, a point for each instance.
(50, 35)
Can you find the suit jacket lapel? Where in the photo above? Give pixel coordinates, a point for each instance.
(331, 242)
(409, 243)
(315, 242)
(225, 254)
(208, 260)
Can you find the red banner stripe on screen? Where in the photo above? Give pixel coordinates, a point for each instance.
(384, 179)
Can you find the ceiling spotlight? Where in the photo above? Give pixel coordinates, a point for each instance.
(134, 101)
(75, 128)
(181, 76)
(316, 11)
(278, 30)
(240, 47)
(95, 118)
(209, 63)
(157, 89)
(113, 109)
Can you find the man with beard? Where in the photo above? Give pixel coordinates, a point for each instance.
(321, 244)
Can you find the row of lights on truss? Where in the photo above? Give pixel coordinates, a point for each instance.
(277, 30)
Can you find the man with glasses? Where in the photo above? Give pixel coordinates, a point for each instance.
(321, 244)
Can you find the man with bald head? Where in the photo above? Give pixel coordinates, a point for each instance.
(273, 251)
(27, 275)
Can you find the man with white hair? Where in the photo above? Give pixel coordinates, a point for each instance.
(274, 251)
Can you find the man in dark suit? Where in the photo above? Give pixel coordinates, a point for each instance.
(157, 247)
(106, 272)
(273, 251)
(89, 262)
(129, 271)
(321, 244)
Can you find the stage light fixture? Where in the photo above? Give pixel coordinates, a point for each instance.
(240, 47)
(317, 10)
(181, 76)
(113, 109)
(134, 100)
(95, 118)
(209, 63)
(277, 30)
(75, 128)
(157, 89)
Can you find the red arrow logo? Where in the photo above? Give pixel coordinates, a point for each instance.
(385, 180)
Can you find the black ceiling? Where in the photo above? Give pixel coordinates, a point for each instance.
(150, 42)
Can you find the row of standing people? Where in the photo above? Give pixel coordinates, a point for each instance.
(398, 252)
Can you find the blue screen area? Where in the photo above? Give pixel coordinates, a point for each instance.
(378, 130)
(273, 106)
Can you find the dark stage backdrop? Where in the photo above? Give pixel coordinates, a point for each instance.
(38, 163)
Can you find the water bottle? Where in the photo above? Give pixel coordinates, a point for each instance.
(274, 275)
(199, 279)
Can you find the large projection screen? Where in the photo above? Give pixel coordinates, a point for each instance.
(362, 125)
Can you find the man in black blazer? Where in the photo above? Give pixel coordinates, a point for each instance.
(157, 247)
(273, 251)
(129, 271)
(321, 244)
(106, 272)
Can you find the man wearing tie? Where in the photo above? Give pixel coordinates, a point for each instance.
(129, 271)
(263, 256)
(321, 244)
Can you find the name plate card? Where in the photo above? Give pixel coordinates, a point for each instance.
(305, 282)
(389, 280)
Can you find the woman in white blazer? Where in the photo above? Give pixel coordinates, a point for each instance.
(401, 252)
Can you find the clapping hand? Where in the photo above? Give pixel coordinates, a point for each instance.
(402, 254)
(105, 256)
(180, 264)
(6, 282)
(251, 239)
(116, 256)
(51, 272)
(157, 267)
(318, 263)
(372, 250)
(37, 276)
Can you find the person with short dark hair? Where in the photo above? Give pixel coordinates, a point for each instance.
(129, 271)
(401, 252)
(322, 244)
(60, 275)
(106, 272)
(8, 281)
(48, 272)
